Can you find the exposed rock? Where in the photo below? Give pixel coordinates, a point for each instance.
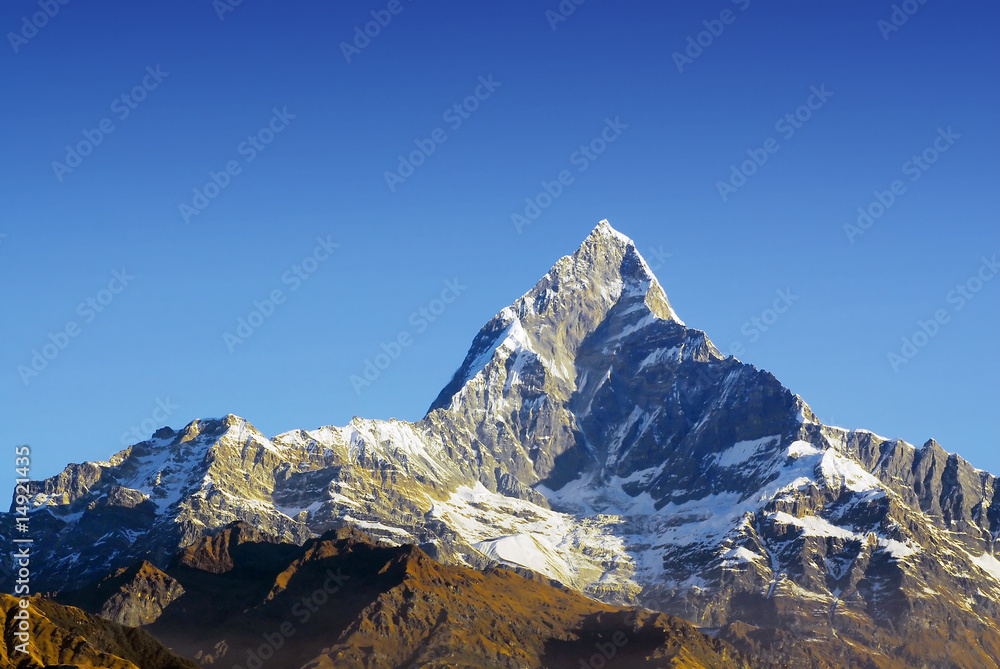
(344, 600)
(131, 596)
(63, 636)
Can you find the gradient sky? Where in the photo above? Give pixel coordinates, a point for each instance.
(721, 261)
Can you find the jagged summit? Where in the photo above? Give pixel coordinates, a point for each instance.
(604, 229)
(605, 279)
(612, 260)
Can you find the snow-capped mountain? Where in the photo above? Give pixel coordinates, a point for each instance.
(592, 437)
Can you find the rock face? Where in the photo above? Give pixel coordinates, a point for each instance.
(344, 600)
(216, 552)
(131, 596)
(593, 438)
(63, 636)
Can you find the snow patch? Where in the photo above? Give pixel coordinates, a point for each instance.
(799, 449)
(740, 555)
(532, 551)
(743, 451)
(660, 355)
(840, 472)
(896, 549)
(989, 564)
(813, 526)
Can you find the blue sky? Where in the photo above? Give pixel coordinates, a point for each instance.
(300, 141)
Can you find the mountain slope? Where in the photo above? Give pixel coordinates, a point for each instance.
(67, 637)
(592, 437)
(344, 600)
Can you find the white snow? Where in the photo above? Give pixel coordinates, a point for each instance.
(989, 564)
(292, 511)
(589, 390)
(801, 416)
(397, 443)
(582, 496)
(380, 527)
(535, 552)
(799, 449)
(604, 227)
(743, 451)
(814, 526)
(840, 472)
(660, 355)
(558, 545)
(740, 555)
(617, 439)
(484, 358)
(837, 566)
(897, 549)
(646, 320)
(512, 340)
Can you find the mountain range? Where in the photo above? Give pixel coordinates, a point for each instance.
(238, 598)
(591, 443)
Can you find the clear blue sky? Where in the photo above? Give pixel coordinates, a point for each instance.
(323, 174)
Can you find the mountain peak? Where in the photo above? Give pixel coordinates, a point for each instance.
(604, 230)
(605, 279)
(611, 259)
